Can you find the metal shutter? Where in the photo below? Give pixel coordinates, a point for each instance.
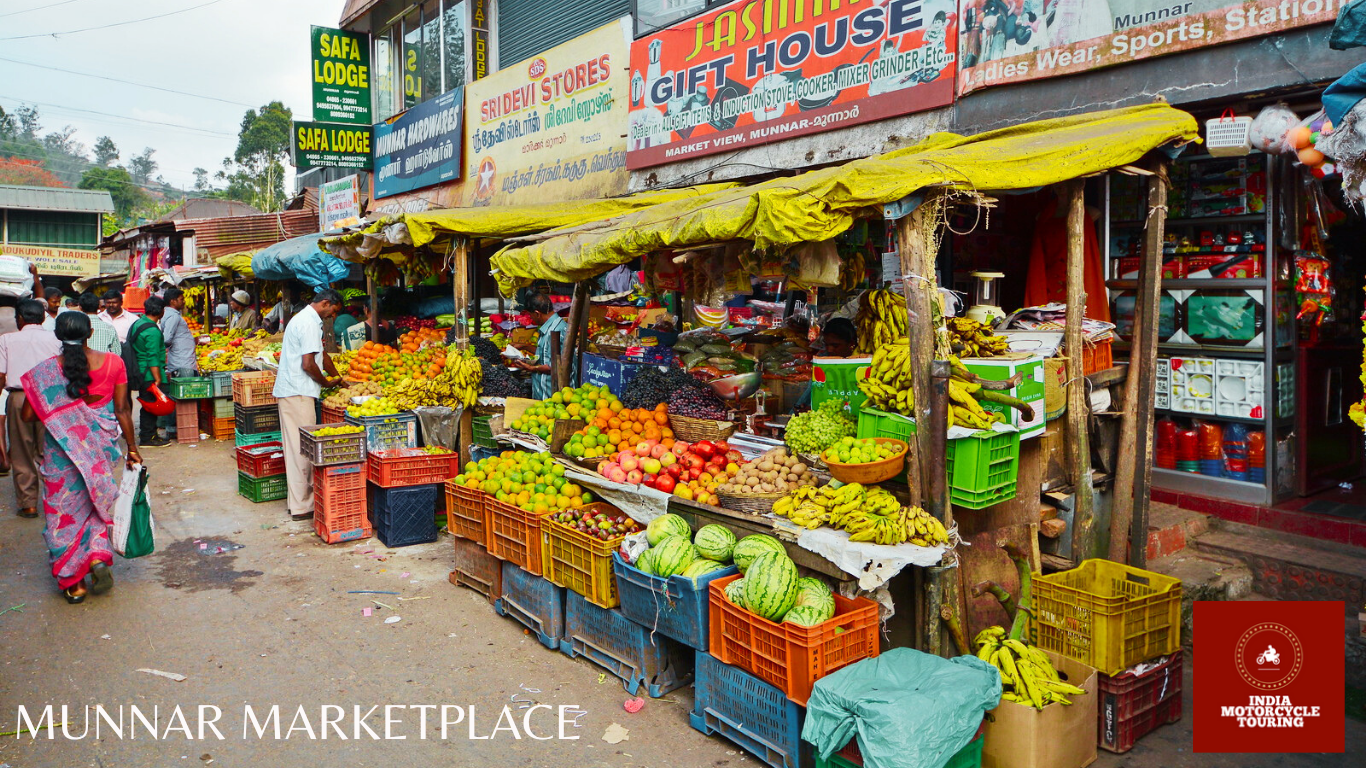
(528, 27)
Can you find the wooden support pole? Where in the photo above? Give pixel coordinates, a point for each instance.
(372, 294)
(564, 355)
(581, 343)
(1078, 402)
(1133, 472)
(916, 259)
(460, 292)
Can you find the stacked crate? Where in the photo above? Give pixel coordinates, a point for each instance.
(255, 417)
(340, 506)
(218, 412)
(405, 492)
(261, 472)
(188, 392)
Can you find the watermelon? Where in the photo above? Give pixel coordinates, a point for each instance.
(735, 592)
(752, 546)
(813, 592)
(805, 616)
(673, 554)
(645, 563)
(667, 525)
(714, 542)
(771, 585)
(699, 568)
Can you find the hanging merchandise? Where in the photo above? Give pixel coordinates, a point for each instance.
(1314, 285)
(1228, 135)
(1271, 126)
(1304, 140)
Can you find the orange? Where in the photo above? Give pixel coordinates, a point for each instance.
(661, 418)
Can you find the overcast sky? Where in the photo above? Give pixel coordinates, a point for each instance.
(248, 52)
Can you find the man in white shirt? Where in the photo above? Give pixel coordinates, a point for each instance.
(115, 315)
(19, 353)
(304, 370)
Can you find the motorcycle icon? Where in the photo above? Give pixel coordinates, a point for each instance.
(1269, 656)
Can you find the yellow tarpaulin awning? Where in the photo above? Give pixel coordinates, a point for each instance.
(407, 231)
(818, 205)
(236, 262)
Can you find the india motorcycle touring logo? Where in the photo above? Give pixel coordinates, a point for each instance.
(1259, 662)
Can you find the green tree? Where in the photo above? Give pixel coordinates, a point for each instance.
(262, 150)
(128, 196)
(142, 166)
(106, 152)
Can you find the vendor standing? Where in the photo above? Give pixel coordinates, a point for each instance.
(839, 337)
(304, 370)
(542, 312)
(243, 316)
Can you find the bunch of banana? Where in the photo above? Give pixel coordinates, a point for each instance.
(852, 271)
(923, 529)
(456, 387)
(1027, 675)
(881, 320)
(466, 372)
(965, 409)
(969, 338)
(888, 383)
(866, 514)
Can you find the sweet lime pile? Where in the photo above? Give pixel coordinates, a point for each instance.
(378, 406)
(348, 429)
(532, 481)
(581, 403)
(855, 451)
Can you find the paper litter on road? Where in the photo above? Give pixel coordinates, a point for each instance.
(615, 734)
(104, 637)
(168, 675)
(393, 620)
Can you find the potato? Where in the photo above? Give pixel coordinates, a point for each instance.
(766, 488)
(800, 468)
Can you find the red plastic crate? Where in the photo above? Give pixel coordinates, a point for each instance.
(264, 460)
(187, 421)
(1132, 705)
(790, 657)
(514, 535)
(467, 513)
(333, 415)
(340, 487)
(411, 466)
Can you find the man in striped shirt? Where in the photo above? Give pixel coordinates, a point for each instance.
(103, 337)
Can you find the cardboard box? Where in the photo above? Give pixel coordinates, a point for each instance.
(1019, 736)
(1030, 389)
(835, 377)
(1230, 266)
(1054, 387)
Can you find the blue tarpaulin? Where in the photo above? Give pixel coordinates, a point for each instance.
(299, 258)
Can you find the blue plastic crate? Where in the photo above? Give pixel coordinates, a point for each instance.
(534, 602)
(405, 515)
(626, 649)
(739, 706)
(673, 607)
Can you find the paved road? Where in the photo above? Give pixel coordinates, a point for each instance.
(268, 621)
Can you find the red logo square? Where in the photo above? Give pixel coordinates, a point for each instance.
(1269, 676)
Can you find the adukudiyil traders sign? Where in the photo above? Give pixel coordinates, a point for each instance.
(756, 71)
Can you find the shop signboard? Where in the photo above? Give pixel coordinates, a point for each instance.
(64, 262)
(1005, 42)
(341, 76)
(550, 128)
(420, 147)
(322, 145)
(756, 71)
(339, 203)
(480, 45)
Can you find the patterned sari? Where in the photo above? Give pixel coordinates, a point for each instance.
(80, 461)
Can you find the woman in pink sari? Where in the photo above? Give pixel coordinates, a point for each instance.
(81, 396)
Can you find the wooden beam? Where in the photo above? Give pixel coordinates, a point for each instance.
(1129, 515)
(569, 340)
(1078, 405)
(460, 293)
(372, 293)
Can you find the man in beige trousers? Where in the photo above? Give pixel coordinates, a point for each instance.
(304, 370)
(19, 352)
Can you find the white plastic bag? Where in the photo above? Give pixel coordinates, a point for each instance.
(1270, 127)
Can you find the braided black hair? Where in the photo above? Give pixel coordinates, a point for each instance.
(73, 328)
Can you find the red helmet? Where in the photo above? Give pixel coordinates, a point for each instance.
(159, 404)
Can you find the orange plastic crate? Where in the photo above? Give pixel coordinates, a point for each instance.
(333, 415)
(790, 657)
(187, 421)
(337, 526)
(253, 388)
(264, 460)
(223, 429)
(467, 513)
(411, 466)
(1097, 357)
(134, 297)
(514, 535)
(341, 486)
(575, 560)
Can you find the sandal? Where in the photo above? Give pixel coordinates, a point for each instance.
(72, 597)
(28, 512)
(101, 578)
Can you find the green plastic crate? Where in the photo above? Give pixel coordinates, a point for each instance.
(256, 438)
(875, 423)
(983, 470)
(483, 433)
(189, 387)
(969, 756)
(260, 489)
(222, 408)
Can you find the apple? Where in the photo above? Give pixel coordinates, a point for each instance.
(704, 478)
(665, 483)
(721, 446)
(651, 466)
(680, 447)
(642, 449)
(649, 480)
(634, 477)
(658, 451)
(667, 459)
(694, 461)
(629, 462)
(704, 449)
(694, 473)
(618, 475)
(674, 470)
(606, 469)
(718, 460)
(683, 492)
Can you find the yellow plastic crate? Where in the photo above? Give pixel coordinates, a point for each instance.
(580, 562)
(1107, 615)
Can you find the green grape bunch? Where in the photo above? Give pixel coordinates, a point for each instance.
(815, 430)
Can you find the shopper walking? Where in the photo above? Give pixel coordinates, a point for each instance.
(53, 305)
(81, 398)
(19, 353)
(304, 370)
(148, 349)
(103, 337)
(115, 315)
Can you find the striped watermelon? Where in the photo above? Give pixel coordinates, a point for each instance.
(714, 542)
(645, 563)
(673, 554)
(667, 525)
(751, 547)
(771, 585)
(805, 616)
(735, 592)
(813, 592)
(699, 568)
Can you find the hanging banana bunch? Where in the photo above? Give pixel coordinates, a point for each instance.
(881, 320)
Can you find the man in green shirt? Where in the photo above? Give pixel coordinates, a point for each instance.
(150, 348)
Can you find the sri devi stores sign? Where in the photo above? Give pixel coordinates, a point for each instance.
(755, 71)
(1269, 676)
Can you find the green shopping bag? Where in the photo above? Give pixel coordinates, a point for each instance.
(133, 515)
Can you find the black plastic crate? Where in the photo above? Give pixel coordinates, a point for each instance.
(258, 418)
(404, 515)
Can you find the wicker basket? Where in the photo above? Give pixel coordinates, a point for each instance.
(692, 430)
(589, 464)
(760, 503)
